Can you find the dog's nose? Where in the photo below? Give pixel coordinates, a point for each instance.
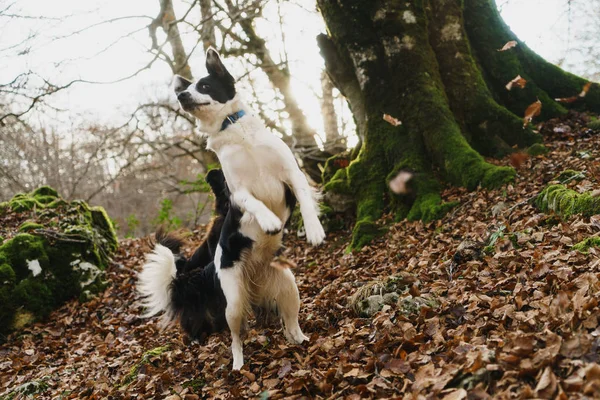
(184, 97)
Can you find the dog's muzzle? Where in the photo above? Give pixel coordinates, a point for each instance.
(186, 101)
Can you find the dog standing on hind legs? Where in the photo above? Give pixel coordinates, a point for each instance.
(262, 176)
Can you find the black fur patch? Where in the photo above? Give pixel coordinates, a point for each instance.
(232, 241)
(290, 201)
(218, 89)
(199, 303)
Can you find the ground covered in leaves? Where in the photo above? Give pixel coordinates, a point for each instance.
(492, 301)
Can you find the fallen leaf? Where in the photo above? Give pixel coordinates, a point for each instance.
(391, 120)
(458, 394)
(518, 82)
(532, 111)
(509, 45)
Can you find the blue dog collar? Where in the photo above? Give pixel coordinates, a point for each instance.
(232, 119)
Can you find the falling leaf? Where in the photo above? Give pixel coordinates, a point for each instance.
(518, 82)
(584, 91)
(391, 120)
(518, 159)
(509, 45)
(586, 88)
(567, 99)
(399, 184)
(532, 111)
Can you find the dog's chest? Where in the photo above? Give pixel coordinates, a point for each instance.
(259, 170)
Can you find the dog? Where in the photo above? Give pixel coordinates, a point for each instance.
(188, 290)
(263, 177)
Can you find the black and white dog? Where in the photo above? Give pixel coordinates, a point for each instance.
(263, 177)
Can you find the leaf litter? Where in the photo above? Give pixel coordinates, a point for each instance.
(511, 312)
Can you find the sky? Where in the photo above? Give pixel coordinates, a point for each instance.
(90, 54)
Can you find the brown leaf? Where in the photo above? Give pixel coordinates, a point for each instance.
(547, 385)
(391, 120)
(509, 45)
(532, 111)
(458, 394)
(517, 82)
(583, 93)
(586, 88)
(518, 159)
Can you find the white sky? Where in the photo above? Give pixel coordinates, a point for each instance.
(541, 23)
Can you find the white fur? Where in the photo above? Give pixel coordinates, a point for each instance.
(256, 165)
(155, 280)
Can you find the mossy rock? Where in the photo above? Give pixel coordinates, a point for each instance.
(566, 202)
(372, 296)
(58, 254)
(23, 202)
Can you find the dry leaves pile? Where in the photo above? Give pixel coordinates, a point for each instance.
(519, 320)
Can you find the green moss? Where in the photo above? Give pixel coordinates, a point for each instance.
(22, 248)
(364, 232)
(8, 306)
(4, 207)
(44, 191)
(537, 149)
(102, 222)
(585, 245)
(569, 175)
(487, 33)
(566, 202)
(28, 390)
(57, 203)
(29, 226)
(35, 295)
(490, 128)
(23, 202)
(334, 164)
(594, 125)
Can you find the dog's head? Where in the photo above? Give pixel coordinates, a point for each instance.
(212, 98)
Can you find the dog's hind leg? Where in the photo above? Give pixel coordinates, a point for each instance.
(284, 290)
(232, 285)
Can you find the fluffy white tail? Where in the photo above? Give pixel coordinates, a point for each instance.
(154, 282)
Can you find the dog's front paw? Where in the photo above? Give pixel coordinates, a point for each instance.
(269, 223)
(314, 231)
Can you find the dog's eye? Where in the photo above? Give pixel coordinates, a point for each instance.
(205, 86)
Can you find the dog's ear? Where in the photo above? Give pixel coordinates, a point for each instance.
(215, 66)
(180, 84)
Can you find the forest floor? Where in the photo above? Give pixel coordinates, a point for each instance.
(519, 319)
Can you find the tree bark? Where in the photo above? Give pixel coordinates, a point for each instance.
(166, 19)
(333, 140)
(434, 65)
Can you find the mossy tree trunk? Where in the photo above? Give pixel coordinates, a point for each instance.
(434, 65)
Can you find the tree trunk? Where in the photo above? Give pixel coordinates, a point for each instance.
(334, 142)
(434, 65)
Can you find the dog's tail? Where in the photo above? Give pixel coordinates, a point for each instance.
(157, 275)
